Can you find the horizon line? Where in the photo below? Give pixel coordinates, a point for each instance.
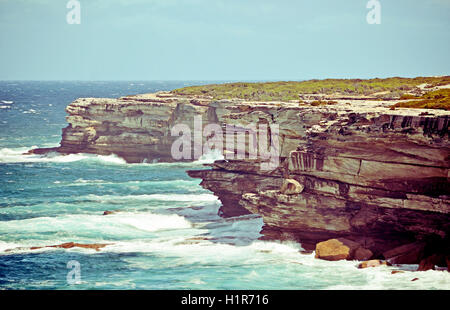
(220, 80)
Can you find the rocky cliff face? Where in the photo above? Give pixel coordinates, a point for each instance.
(136, 128)
(376, 176)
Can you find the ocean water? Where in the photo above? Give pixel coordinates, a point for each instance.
(167, 234)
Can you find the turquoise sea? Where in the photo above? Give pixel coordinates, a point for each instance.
(168, 234)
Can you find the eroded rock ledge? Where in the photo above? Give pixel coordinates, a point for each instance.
(370, 174)
(375, 178)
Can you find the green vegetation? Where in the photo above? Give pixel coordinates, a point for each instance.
(408, 96)
(439, 99)
(286, 91)
(323, 102)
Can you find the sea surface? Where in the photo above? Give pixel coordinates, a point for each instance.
(167, 234)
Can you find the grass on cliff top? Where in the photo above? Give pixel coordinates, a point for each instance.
(439, 99)
(285, 91)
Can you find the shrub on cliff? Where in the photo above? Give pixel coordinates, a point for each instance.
(408, 97)
(439, 99)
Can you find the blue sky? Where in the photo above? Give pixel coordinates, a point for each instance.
(222, 40)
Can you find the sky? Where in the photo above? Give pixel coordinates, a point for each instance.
(222, 40)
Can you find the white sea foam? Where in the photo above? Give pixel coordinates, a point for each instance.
(151, 222)
(160, 197)
(90, 227)
(17, 155)
(197, 281)
(380, 278)
(83, 181)
(183, 250)
(172, 183)
(7, 246)
(30, 111)
(210, 157)
(192, 251)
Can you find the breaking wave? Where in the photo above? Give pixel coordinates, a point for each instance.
(17, 155)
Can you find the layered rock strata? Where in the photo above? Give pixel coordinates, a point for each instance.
(367, 173)
(375, 178)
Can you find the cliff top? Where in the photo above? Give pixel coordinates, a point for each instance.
(392, 96)
(422, 92)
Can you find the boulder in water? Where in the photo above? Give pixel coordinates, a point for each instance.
(69, 245)
(363, 254)
(336, 249)
(108, 212)
(372, 263)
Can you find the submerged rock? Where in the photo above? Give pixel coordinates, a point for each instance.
(69, 245)
(373, 263)
(107, 212)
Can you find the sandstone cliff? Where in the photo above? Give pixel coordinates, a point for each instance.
(377, 177)
(374, 175)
